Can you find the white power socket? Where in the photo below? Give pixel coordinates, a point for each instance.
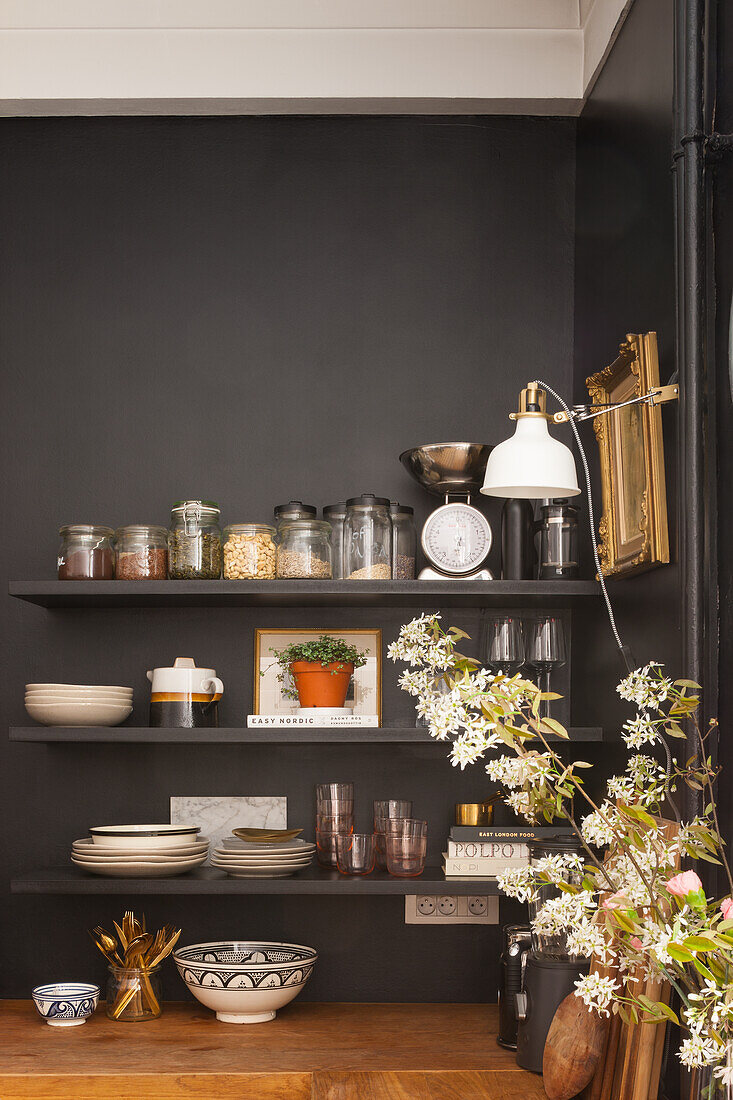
(451, 909)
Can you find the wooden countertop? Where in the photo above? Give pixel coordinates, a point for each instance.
(309, 1052)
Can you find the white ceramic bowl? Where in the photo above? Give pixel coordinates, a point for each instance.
(245, 982)
(79, 689)
(79, 714)
(66, 1004)
(69, 701)
(100, 851)
(144, 836)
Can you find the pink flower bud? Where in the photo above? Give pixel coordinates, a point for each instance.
(726, 908)
(682, 885)
(636, 942)
(615, 901)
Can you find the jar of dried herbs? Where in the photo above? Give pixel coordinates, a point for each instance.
(194, 541)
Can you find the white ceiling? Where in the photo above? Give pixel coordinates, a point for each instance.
(298, 56)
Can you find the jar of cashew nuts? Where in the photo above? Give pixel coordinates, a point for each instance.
(249, 552)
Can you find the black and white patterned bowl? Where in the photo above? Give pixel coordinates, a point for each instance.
(245, 981)
(66, 1004)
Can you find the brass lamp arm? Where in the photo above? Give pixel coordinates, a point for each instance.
(657, 396)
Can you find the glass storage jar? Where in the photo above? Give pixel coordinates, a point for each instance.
(367, 539)
(404, 541)
(133, 993)
(249, 552)
(86, 553)
(558, 538)
(294, 509)
(141, 553)
(194, 541)
(304, 550)
(335, 514)
(546, 945)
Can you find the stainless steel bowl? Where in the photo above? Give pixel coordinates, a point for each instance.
(448, 468)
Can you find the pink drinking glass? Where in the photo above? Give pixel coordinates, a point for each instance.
(355, 853)
(406, 844)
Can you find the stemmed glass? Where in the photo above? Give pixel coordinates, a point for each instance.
(546, 651)
(504, 649)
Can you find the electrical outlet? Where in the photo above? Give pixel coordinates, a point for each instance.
(447, 906)
(450, 909)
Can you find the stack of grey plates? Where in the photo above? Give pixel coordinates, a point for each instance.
(248, 859)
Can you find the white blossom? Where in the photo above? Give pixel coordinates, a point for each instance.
(596, 992)
(647, 688)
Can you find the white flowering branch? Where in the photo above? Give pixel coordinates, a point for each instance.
(632, 910)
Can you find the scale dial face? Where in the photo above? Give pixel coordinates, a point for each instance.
(456, 538)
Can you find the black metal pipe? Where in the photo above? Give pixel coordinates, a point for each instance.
(692, 233)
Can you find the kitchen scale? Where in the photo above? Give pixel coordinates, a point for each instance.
(456, 537)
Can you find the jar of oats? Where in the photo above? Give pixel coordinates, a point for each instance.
(304, 550)
(249, 552)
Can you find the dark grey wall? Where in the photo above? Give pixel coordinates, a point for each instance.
(252, 309)
(625, 283)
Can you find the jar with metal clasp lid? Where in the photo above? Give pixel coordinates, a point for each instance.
(194, 541)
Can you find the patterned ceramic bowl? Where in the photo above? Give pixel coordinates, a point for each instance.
(245, 982)
(66, 1004)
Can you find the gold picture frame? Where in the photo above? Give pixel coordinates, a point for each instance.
(633, 531)
(366, 682)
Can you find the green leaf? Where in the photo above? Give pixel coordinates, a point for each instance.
(700, 943)
(679, 953)
(668, 1012)
(550, 725)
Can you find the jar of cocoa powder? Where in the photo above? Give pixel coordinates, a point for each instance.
(141, 553)
(86, 553)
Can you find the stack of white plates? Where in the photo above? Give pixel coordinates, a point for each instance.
(78, 704)
(140, 851)
(245, 859)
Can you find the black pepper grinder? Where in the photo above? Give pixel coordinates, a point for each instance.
(517, 540)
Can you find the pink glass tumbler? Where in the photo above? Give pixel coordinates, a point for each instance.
(407, 843)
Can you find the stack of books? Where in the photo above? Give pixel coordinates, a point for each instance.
(485, 851)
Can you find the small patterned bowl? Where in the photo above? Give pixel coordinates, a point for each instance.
(66, 1004)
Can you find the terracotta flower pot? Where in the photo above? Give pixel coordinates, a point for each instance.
(321, 685)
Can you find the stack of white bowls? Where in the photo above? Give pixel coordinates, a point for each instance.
(78, 704)
(140, 851)
(247, 859)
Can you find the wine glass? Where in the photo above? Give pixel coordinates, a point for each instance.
(546, 651)
(504, 649)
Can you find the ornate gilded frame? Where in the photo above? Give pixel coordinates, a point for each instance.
(633, 531)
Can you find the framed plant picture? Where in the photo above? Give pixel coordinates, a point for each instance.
(633, 530)
(273, 697)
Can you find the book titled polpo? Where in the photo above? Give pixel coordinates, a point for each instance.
(506, 851)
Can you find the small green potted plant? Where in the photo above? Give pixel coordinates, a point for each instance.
(320, 669)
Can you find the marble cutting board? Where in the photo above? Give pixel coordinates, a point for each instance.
(218, 815)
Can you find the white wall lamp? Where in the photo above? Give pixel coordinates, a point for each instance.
(533, 464)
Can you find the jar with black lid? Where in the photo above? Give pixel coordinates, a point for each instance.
(194, 541)
(86, 553)
(404, 541)
(367, 539)
(304, 550)
(335, 514)
(294, 509)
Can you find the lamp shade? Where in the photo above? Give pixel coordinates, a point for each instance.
(531, 464)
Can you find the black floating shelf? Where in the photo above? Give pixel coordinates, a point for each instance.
(236, 735)
(209, 880)
(420, 594)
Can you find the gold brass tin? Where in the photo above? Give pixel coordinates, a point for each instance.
(475, 813)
